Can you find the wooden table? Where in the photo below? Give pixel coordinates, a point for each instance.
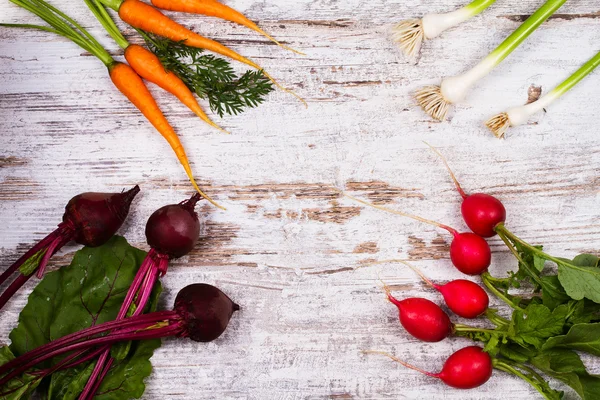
(288, 245)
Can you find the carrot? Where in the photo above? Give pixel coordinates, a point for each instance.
(131, 85)
(213, 8)
(148, 66)
(147, 18)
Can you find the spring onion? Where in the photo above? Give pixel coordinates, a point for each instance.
(499, 123)
(409, 34)
(436, 100)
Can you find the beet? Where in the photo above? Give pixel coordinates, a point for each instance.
(206, 311)
(89, 219)
(174, 229)
(172, 232)
(96, 217)
(201, 312)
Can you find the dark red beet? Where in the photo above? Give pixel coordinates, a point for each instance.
(174, 229)
(172, 232)
(96, 217)
(206, 311)
(467, 368)
(423, 319)
(482, 213)
(89, 219)
(470, 253)
(201, 312)
(465, 298)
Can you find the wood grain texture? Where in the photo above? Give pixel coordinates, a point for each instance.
(288, 246)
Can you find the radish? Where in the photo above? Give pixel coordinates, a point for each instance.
(90, 219)
(469, 253)
(171, 231)
(202, 313)
(467, 368)
(422, 318)
(465, 298)
(481, 212)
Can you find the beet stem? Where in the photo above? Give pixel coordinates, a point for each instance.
(53, 248)
(42, 244)
(97, 382)
(97, 375)
(27, 362)
(142, 286)
(128, 324)
(52, 243)
(13, 288)
(190, 203)
(403, 363)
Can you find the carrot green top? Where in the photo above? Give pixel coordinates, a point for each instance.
(62, 24)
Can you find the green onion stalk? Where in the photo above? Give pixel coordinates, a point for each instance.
(500, 123)
(410, 33)
(436, 100)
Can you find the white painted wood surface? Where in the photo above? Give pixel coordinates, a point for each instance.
(286, 247)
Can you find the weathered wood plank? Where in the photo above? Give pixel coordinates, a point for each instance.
(288, 246)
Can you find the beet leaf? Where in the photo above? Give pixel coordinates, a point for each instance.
(88, 292)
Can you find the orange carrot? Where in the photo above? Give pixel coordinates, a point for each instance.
(213, 8)
(148, 66)
(145, 17)
(131, 85)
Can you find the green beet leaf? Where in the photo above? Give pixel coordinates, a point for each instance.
(537, 324)
(582, 337)
(88, 292)
(20, 387)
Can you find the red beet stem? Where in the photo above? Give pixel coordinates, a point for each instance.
(128, 324)
(142, 286)
(191, 202)
(13, 288)
(51, 244)
(25, 362)
(98, 381)
(42, 244)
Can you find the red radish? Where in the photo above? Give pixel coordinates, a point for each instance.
(467, 368)
(469, 253)
(171, 231)
(201, 313)
(481, 212)
(465, 298)
(422, 318)
(90, 219)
